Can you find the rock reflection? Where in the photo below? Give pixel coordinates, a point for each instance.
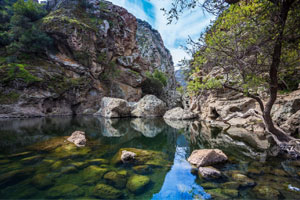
(148, 127)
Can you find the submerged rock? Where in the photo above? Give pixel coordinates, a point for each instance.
(116, 179)
(265, 192)
(93, 173)
(15, 176)
(114, 108)
(137, 183)
(230, 185)
(142, 169)
(32, 159)
(42, 181)
(65, 191)
(78, 138)
(179, 114)
(143, 157)
(149, 106)
(210, 185)
(243, 179)
(206, 157)
(106, 192)
(209, 173)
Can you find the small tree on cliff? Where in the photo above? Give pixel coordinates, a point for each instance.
(252, 45)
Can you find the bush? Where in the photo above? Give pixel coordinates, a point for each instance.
(158, 75)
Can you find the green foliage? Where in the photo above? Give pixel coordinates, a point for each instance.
(158, 76)
(152, 86)
(180, 90)
(18, 72)
(30, 10)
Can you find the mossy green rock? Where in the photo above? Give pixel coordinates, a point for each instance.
(209, 185)
(93, 174)
(3, 162)
(265, 192)
(137, 183)
(143, 157)
(42, 181)
(70, 151)
(230, 185)
(243, 179)
(65, 191)
(116, 179)
(217, 194)
(19, 154)
(230, 192)
(254, 171)
(31, 160)
(106, 192)
(68, 170)
(50, 144)
(79, 165)
(142, 169)
(15, 176)
(97, 161)
(57, 165)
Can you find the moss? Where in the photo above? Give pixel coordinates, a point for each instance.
(97, 161)
(142, 169)
(42, 181)
(106, 192)
(93, 174)
(137, 183)
(209, 185)
(116, 179)
(32, 159)
(66, 190)
(9, 98)
(134, 72)
(69, 150)
(18, 71)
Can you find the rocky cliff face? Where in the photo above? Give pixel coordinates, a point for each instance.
(99, 50)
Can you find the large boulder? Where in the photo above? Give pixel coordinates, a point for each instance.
(137, 183)
(78, 138)
(179, 114)
(292, 125)
(114, 108)
(148, 127)
(207, 157)
(149, 106)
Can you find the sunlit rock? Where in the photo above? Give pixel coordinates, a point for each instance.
(179, 113)
(127, 156)
(209, 173)
(114, 108)
(206, 157)
(149, 106)
(78, 138)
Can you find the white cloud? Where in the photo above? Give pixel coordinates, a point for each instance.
(190, 24)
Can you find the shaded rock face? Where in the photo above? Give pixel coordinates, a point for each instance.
(206, 157)
(101, 50)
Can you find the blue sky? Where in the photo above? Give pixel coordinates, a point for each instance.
(191, 23)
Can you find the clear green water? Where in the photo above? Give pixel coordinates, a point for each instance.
(37, 163)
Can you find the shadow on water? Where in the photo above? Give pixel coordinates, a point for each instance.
(33, 152)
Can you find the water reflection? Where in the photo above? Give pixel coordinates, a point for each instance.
(179, 183)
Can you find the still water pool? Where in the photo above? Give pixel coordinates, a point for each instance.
(36, 162)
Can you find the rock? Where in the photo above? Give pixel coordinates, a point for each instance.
(137, 183)
(292, 125)
(114, 108)
(97, 161)
(65, 191)
(68, 170)
(265, 192)
(143, 157)
(230, 185)
(209, 173)
(3, 162)
(243, 179)
(15, 176)
(178, 124)
(78, 138)
(149, 106)
(254, 171)
(26, 153)
(127, 156)
(57, 165)
(231, 192)
(69, 150)
(217, 194)
(42, 181)
(106, 192)
(210, 185)
(31, 160)
(142, 169)
(207, 157)
(116, 179)
(92, 174)
(179, 114)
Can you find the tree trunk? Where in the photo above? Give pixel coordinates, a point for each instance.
(273, 73)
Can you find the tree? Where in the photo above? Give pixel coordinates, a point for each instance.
(246, 44)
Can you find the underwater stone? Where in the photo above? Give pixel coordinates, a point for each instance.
(106, 192)
(230, 185)
(231, 192)
(2, 162)
(66, 191)
(243, 179)
(15, 176)
(68, 170)
(78, 138)
(207, 157)
(209, 185)
(32, 159)
(137, 183)
(97, 161)
(19, 154)
(142, 169)
(57, 165)
(42, 181)
(116, 179)
(70, 150)
(209, 172)
(217, 194)
(93, 173)
(265, 192)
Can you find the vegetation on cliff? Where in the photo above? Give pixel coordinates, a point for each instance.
(252, 48)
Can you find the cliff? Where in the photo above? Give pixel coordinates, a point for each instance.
(99, 50)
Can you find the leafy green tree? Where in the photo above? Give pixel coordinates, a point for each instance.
(246, 50)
